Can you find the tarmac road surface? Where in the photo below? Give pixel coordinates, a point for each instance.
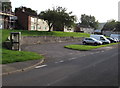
(70, 68)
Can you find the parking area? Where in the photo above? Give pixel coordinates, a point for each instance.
(56, 51)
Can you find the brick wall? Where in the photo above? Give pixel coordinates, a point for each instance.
(22, 20)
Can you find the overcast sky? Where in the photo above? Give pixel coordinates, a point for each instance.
(103, 10)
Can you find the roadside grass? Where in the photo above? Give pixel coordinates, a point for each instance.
(9, 56)
(6, 33)
(86, 47)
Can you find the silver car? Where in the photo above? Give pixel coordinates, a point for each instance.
(91, 40)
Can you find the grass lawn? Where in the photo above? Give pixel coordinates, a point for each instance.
(9, 56)
(86, 47)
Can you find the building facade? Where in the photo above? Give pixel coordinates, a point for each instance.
(6, 16)
(68, 29)
(28, 21)
(83, 29)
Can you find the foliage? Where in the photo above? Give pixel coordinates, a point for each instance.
(86, 47)
(27, 10)
(118, 26)
(112, 25)
(58, 18)
(89, 21)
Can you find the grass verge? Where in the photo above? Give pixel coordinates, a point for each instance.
(6, 33)
(9, 56)
(86, 47)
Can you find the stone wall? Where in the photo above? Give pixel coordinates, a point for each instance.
(28, 40)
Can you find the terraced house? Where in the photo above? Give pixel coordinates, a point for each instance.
(28, 20)
(7, 17)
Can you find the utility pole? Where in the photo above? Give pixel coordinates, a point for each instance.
(119, 11)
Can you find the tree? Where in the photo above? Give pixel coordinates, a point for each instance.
(89, 21)
(58, 18)
(27, 10)
(112, 26)
(118, 26)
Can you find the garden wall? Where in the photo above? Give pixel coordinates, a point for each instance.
(28, 40)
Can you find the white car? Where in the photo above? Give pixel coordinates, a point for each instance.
(91, 40)
(101, 38)
(116, 39)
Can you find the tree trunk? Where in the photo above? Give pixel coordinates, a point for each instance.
(50, 26)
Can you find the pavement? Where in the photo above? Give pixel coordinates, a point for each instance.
(20, 66)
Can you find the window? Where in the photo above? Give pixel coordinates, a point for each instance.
(39, 27)
(101, 38)
(45, 28)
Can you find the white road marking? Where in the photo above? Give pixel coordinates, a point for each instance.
(84, 55)
(56, 62)
(71, 58)
(40, 66)
(91, 53)
(102, 51)
(71, 53)
(97, 52)
(57, 81)
(61, 61)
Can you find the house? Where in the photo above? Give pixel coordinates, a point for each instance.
(7, 20)
(68, 29)
(113, 28)
(100, 27)
(84, 29)
(109, 32)
(30, 21)
(63, 28)
(97, 31)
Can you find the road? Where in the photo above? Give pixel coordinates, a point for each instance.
(70, 68)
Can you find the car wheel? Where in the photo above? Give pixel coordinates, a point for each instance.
(84, 43)
(104, 43)
(95, 44)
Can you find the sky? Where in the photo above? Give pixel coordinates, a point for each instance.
(103, 10)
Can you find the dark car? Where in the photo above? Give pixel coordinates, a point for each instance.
(112, 40)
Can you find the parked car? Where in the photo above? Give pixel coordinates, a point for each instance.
(91, 41)
(118, 40)
(115, 36)
(112, 40)
(101, 38)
